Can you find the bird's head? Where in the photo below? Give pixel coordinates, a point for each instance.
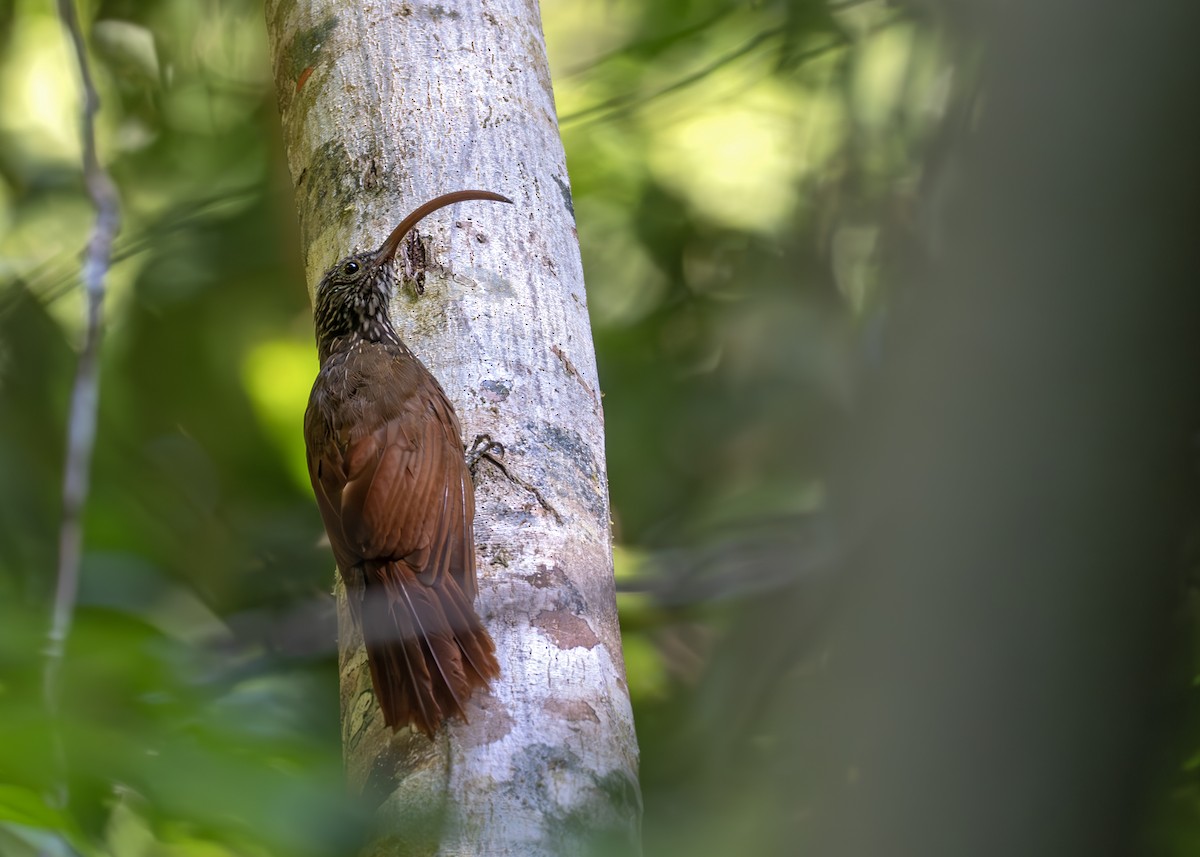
(352, 297)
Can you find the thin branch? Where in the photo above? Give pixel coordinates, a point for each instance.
(484, 448)
(51, 280)
(54, 284)
(626, 102)
(631, 100)
(85, 395)
(654, 44)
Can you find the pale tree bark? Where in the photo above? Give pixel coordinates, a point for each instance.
(386, 105)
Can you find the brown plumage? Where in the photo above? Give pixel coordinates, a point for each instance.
(386, 460)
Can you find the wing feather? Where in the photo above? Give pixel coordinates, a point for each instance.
(397, 501)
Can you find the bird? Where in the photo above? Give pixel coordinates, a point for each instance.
(386, 460)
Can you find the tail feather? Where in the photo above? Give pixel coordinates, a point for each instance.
(478, 650)
(426, 648)
(447, 678)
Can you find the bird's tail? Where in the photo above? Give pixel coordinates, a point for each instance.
(426, 647)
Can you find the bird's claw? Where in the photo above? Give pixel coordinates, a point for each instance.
(483, 447)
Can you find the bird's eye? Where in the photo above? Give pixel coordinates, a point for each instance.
(350, 268)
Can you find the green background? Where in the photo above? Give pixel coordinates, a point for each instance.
(757, 188)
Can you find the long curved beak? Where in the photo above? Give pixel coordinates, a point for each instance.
(387, 250)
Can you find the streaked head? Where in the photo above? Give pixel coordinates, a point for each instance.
(352, 297)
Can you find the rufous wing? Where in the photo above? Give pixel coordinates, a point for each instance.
(398, 505)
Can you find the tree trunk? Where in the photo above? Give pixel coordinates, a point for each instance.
(385, 106)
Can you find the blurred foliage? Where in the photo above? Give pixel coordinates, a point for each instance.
(742, 173)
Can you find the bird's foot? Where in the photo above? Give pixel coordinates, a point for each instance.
(484, 448)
